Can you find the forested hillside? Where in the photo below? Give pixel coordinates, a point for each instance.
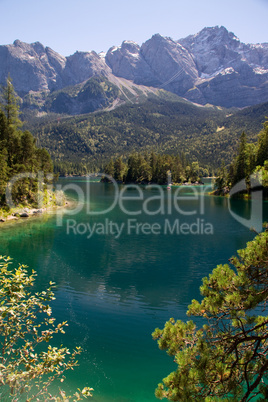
(204, 134)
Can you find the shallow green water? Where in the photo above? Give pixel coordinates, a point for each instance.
(115, 291)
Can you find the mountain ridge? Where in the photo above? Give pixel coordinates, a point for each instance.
(209, 67)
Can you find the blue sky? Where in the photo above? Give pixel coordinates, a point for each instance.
(67, 26)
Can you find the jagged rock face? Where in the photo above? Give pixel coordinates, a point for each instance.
(231, 73)
(171, 62)
(213, 49)
(216, 48)
(83, 65)
(160, 62)
(212, 66)
(257, 54)
(32, 67)
(126, 61)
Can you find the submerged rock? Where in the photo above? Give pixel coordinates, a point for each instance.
(24, 215)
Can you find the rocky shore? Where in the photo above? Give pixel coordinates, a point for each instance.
(24, 213)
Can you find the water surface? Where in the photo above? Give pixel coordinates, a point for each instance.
(115, 291)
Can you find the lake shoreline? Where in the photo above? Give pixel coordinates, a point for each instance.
(25, 213)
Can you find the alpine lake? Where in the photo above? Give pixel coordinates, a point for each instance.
(123, 267)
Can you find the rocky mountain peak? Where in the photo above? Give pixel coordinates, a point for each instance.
(31, 66)
(210, 38)
(83, 65)
(126, 61)
(20, 47)
(18, 43)
(130, 46)
(39, 48)
(211, 66)
(158, 38)
(215, 32)
(214, 49)
(179, 70)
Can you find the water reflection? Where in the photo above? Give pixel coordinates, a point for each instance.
(115, 291)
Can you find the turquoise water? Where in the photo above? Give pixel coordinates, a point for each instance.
(115, 291)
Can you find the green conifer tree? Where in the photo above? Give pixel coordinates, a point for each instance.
(11, 105)
(226, 359)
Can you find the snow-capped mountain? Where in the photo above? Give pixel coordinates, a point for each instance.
(212, 66)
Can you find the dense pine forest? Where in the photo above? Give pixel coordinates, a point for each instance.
(251, 158)
(18, 152)
(153, 168)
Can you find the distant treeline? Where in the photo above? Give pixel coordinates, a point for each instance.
(154, 168)
(69, 168)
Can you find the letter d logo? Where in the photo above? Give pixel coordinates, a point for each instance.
(255, 220)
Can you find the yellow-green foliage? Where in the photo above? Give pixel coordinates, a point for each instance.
(27, 365)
